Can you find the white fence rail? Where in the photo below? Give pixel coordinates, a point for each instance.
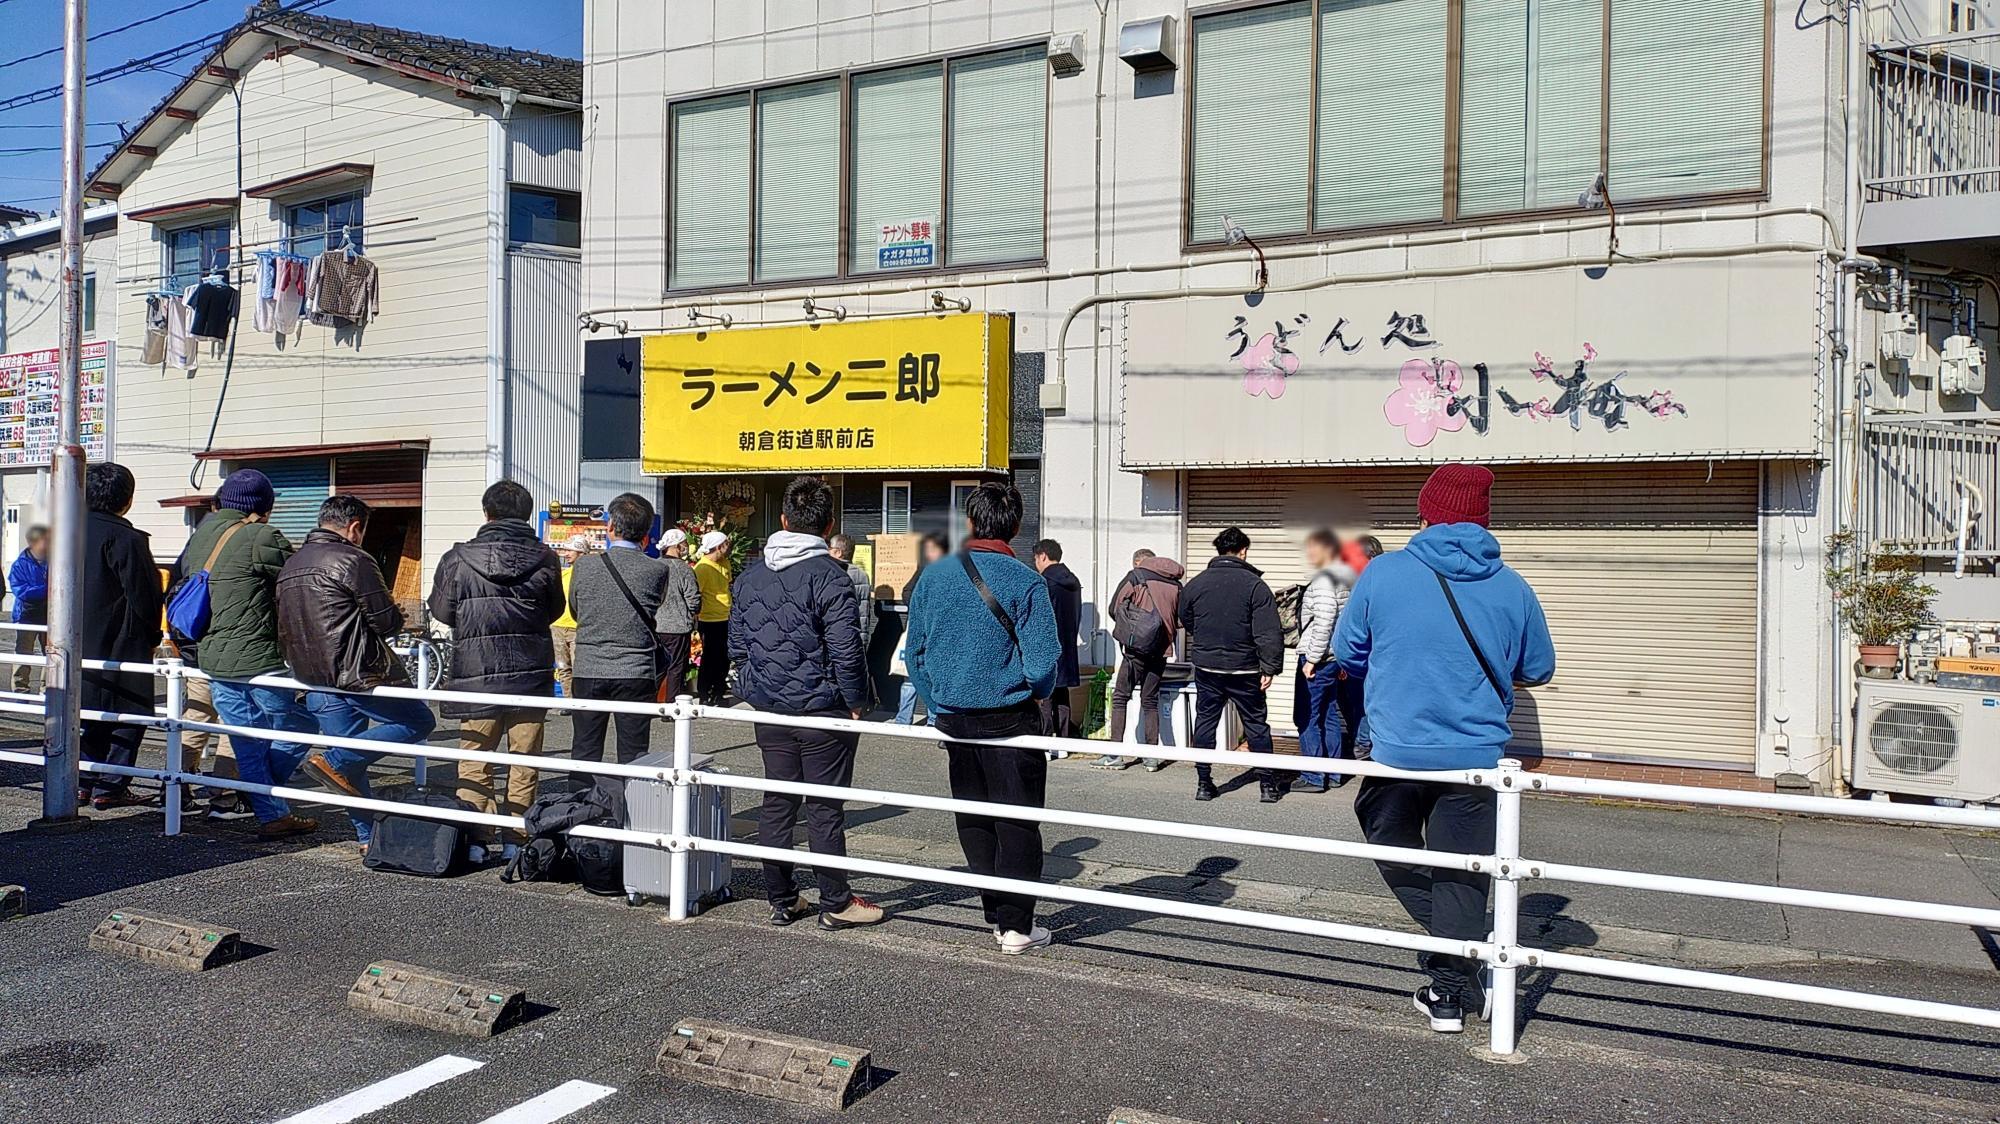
(1501, 951)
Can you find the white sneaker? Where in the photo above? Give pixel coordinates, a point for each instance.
(1014, 944)
(475, 854)
(999, 937)
(508, 852)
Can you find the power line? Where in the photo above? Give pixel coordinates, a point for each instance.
(54, 148)
(58, 124)
(154, 18)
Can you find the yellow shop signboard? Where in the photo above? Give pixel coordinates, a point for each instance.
(923, 393)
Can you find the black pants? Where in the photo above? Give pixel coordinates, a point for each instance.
(1056, 716)
(713, 681)
(1002, 848)
(1211, 692)
(110, 743)
(1140, 673)
(587, 727)
(811, 757)
(674, 649)
(1447, 903)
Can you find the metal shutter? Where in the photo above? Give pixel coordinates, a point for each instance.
(1648, 574)
(302, 485)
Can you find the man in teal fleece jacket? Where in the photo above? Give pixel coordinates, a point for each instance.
(982, 683)
(1438, 697)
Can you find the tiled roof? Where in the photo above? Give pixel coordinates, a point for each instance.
(530, 72)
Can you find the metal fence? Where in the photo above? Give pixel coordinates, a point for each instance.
(1934, 117)
(1501, 950)
(1929, 482)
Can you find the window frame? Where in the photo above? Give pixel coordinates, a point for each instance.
(556, 193)
(167, 236)
(846, 77)
(1454, 65)
(909, 506)
(326, 233)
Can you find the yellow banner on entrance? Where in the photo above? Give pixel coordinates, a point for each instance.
(924, 393)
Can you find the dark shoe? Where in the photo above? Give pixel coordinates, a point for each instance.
(287, 826)
(1204, 789)
(124, 798)
(1337, 782)
(1446, 1016)
(1307, 786)
(228, 806)
(784, 914)
(1267, 792)
(323, 771)
(858, 911)
(82, 797)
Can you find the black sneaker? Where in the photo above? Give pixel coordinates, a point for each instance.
(784, 914)
(1267, 792)
(1446, 1016)
(1308, 786)
(1204, 789)
(1479, 997)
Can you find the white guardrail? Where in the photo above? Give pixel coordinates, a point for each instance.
(1506, 865)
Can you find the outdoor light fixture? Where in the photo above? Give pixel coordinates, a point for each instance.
(814, 310)
(940, 302)
(1596, 198)
(697, 316)
(1235, 234)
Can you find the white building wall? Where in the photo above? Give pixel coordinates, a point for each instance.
(419, 370)
(545, 149)
(543, 380)
(640, 55)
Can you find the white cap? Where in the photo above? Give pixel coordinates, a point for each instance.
(711, 540)
(578, 543)
(673, 538)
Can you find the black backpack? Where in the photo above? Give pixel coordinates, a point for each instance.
(551, 854)
(413, 845)
(1138, 628)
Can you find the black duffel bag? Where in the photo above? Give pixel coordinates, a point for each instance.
(552, 854)
(415, 845)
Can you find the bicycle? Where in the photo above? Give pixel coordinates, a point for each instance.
(425, 654)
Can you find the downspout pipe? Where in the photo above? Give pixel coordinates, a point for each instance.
(1850, 447)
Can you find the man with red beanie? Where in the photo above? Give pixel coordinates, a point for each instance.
(1443, 631)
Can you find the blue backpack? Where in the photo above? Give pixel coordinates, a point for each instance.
(188, 607)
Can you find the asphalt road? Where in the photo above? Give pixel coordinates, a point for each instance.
(1199, 1021)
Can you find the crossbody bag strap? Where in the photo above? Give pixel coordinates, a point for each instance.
(986, 595)
(222, 542)
(1466, 631)
(618, 579)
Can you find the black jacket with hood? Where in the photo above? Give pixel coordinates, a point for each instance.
(1066, 595)
(1232, 619)
(499, 594)
(794, 631)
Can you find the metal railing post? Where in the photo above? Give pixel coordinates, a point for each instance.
(176, 709)
(679, 861)
(1506, 900)
(420, 769)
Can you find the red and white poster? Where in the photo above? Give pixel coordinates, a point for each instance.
(29, 404)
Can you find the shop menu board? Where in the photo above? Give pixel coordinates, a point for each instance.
(29, 399)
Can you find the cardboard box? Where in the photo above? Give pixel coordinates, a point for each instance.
(1965, 666)
(895, 565)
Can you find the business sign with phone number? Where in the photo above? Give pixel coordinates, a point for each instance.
(30, 402)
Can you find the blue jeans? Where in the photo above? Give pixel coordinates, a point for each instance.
(348, 716)
(1316, 712)
(1356, 742)
(906, 704)
(263, 760)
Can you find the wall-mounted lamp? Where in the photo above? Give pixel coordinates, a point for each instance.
(1237, 236)
(697, 317)
(940, 302)
(815, 310)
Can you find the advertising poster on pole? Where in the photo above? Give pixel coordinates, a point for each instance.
(30, 404)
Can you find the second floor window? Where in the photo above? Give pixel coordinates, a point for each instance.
(1321, 115)
(937, 164)
(546, 218)
(193, 252)
(313, 228)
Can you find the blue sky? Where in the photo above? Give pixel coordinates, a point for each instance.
(29, 26)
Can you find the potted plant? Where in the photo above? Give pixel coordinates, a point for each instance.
(1883, 599)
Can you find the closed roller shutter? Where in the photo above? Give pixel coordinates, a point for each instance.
(1648, 574)
(301, 485)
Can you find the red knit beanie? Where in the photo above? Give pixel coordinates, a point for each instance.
(1457, 493)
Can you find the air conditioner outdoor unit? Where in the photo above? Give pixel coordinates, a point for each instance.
(1923, 740)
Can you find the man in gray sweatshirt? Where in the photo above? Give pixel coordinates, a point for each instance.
(615, 597)
(680, 604)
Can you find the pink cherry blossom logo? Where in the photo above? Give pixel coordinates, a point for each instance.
(1265, 366)
(1421, 405)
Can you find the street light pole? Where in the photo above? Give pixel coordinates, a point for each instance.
(61, 729)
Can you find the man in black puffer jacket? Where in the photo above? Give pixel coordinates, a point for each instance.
(499, 593)
(795, 638)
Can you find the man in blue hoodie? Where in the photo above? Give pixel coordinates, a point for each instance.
(795, 641)
(1443, 631)
(983, 649)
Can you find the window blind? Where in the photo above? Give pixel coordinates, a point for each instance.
(1530, 103)
(1381, 112)
(999, 113)
(1252, 107)
(1687, 97)
(798, 182)
(711, 204)
(898, 155)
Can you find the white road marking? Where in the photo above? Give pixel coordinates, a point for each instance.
(553, 1105)
(382, 1094)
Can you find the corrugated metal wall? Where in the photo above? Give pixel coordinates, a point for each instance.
(543, 374)
(1647, 572)
(302, 485)
(546, 149)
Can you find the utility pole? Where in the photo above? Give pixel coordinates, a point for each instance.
(62, 726)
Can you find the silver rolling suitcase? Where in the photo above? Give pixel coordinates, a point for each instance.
(649, 806)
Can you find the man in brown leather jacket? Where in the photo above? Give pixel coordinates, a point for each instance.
(335, 620)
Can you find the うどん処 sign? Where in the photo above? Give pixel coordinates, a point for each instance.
(916, 393)
(1710, 358)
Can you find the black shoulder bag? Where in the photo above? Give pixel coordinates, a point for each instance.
(986, 595)
(645, 618)
(1466, 631)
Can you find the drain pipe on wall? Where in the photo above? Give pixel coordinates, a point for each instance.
(1851, 390)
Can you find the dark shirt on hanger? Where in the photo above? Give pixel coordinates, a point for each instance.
(214, 306)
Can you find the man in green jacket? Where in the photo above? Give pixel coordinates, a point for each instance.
(243, 553)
